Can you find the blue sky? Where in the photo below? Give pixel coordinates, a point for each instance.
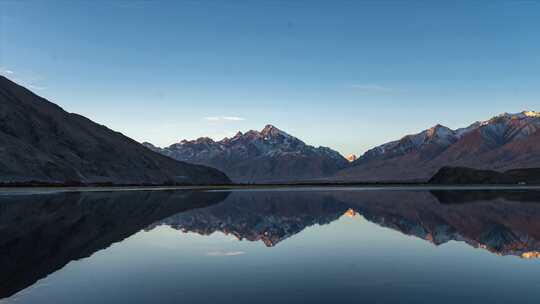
(344, 74)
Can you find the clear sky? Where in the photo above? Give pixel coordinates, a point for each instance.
(344, 74)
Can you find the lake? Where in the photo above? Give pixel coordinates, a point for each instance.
(288, 245)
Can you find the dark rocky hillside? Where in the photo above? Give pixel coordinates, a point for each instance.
(461, 175)
(39, 141)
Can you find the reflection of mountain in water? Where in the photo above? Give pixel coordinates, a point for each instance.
(468, 196)
(266, 216)
(502, 224)
(39, 234)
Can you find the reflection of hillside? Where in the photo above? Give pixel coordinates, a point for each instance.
(266, 216)
(39, 234)
(501, 226)
(467, 196)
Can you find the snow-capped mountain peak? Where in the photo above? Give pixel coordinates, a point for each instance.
(512, 116)
(439, 131)
(500, 129)
(270, 153)
(351, 157)
(531, 113)
(272, 131)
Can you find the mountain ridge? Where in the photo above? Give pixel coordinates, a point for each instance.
(43, 144)
(40, 142)
(506, 141)
(254, 156)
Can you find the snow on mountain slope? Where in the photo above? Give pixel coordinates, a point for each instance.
(268, 155)
(505, 141)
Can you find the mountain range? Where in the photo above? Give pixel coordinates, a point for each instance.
(40, 142)
(507, 141)
(265, 156)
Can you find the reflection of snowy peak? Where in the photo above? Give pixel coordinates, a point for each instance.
(270, 154)
(498, 239)
(497, 225)
(496, 221)
(270, 220)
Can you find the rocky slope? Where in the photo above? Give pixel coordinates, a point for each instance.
(507, 141)
(39, 141)
(270, 155)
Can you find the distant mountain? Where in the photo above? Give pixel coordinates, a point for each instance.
(270, 155)
(507, 141)
(39, 141)
(351, 157)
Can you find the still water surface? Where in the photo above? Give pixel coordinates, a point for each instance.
(309, 246)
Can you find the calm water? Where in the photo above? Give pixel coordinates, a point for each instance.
(287, 246)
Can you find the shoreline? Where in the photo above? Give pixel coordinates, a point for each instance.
(270, 187)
